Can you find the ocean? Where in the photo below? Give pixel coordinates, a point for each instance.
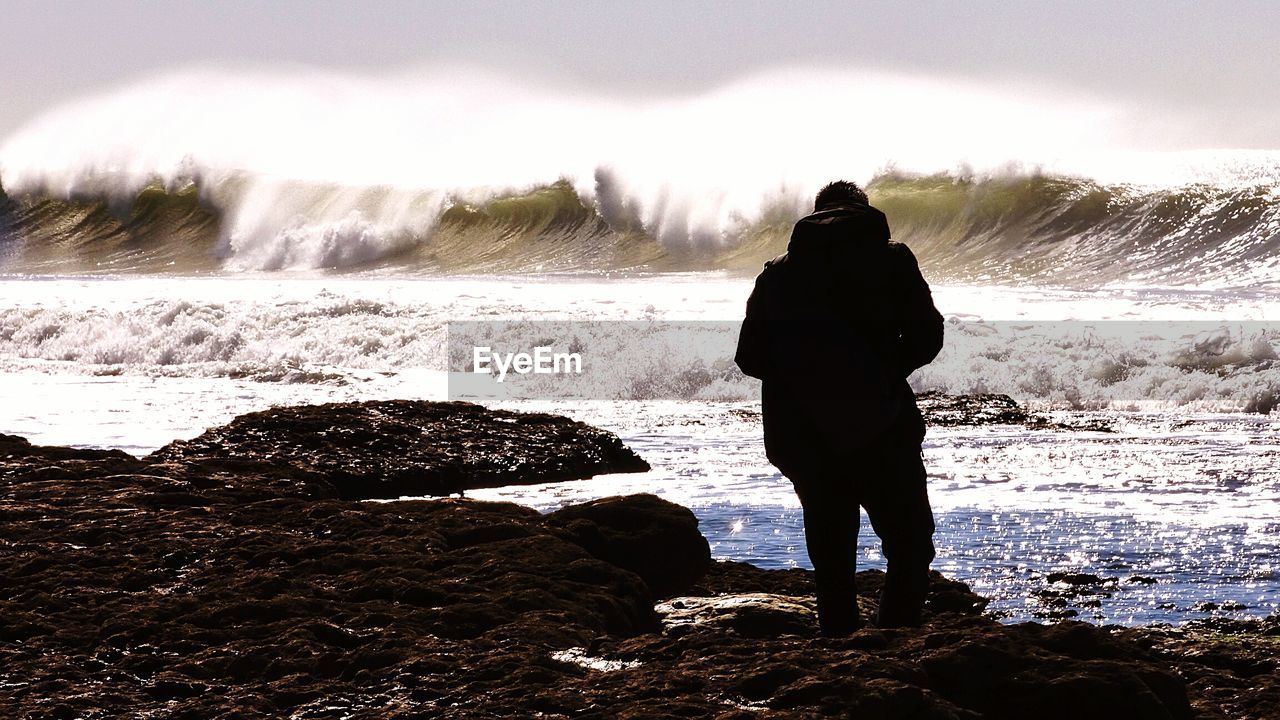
(166, 264)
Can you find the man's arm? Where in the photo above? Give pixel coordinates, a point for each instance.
(921, 329)
(753, 340)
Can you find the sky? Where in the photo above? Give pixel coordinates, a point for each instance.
(1210, 64)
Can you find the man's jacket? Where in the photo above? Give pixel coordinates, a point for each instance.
(833, 328)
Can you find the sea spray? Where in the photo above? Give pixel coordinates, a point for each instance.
(268, 147)
(460, 171)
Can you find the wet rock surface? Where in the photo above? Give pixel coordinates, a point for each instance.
(640, 533)
(394, 448)
(751, 615)
(158, 588)
(1231, 667)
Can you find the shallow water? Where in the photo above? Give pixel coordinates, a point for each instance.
(1179, 494)
(1194, 508)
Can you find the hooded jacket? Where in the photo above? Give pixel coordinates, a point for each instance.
(833, 327)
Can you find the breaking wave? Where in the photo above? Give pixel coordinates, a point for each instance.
(208, 170)
(1017, 228)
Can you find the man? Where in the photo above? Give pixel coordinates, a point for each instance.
(833, 328)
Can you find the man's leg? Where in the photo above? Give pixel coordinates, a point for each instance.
(831, 535)
(897, 504)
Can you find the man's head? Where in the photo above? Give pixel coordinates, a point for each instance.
(840, 192)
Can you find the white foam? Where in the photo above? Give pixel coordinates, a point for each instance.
(316, 169)
(1194, 351)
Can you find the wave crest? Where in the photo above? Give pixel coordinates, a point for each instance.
(1011, 228)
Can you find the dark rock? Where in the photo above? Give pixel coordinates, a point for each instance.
(1099, 425)
(394, 448)
(978, 409)
(946, 595)
(1015, 673)
(655, 539)
(726, 577)
(994, 409)
(763, 682)
(184, 586)
(12, 446)
(729, 576)
(1071, 592)
(1070, 578)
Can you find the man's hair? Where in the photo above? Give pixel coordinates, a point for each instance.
(840, 192)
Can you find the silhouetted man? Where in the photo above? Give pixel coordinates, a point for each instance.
(833, 328)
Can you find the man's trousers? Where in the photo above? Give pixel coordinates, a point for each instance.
(888, 480)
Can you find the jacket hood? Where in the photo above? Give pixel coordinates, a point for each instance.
(843, 225)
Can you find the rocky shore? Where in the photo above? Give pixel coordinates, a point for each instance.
(252, 572)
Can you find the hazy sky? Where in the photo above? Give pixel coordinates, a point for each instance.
(1210, 63)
